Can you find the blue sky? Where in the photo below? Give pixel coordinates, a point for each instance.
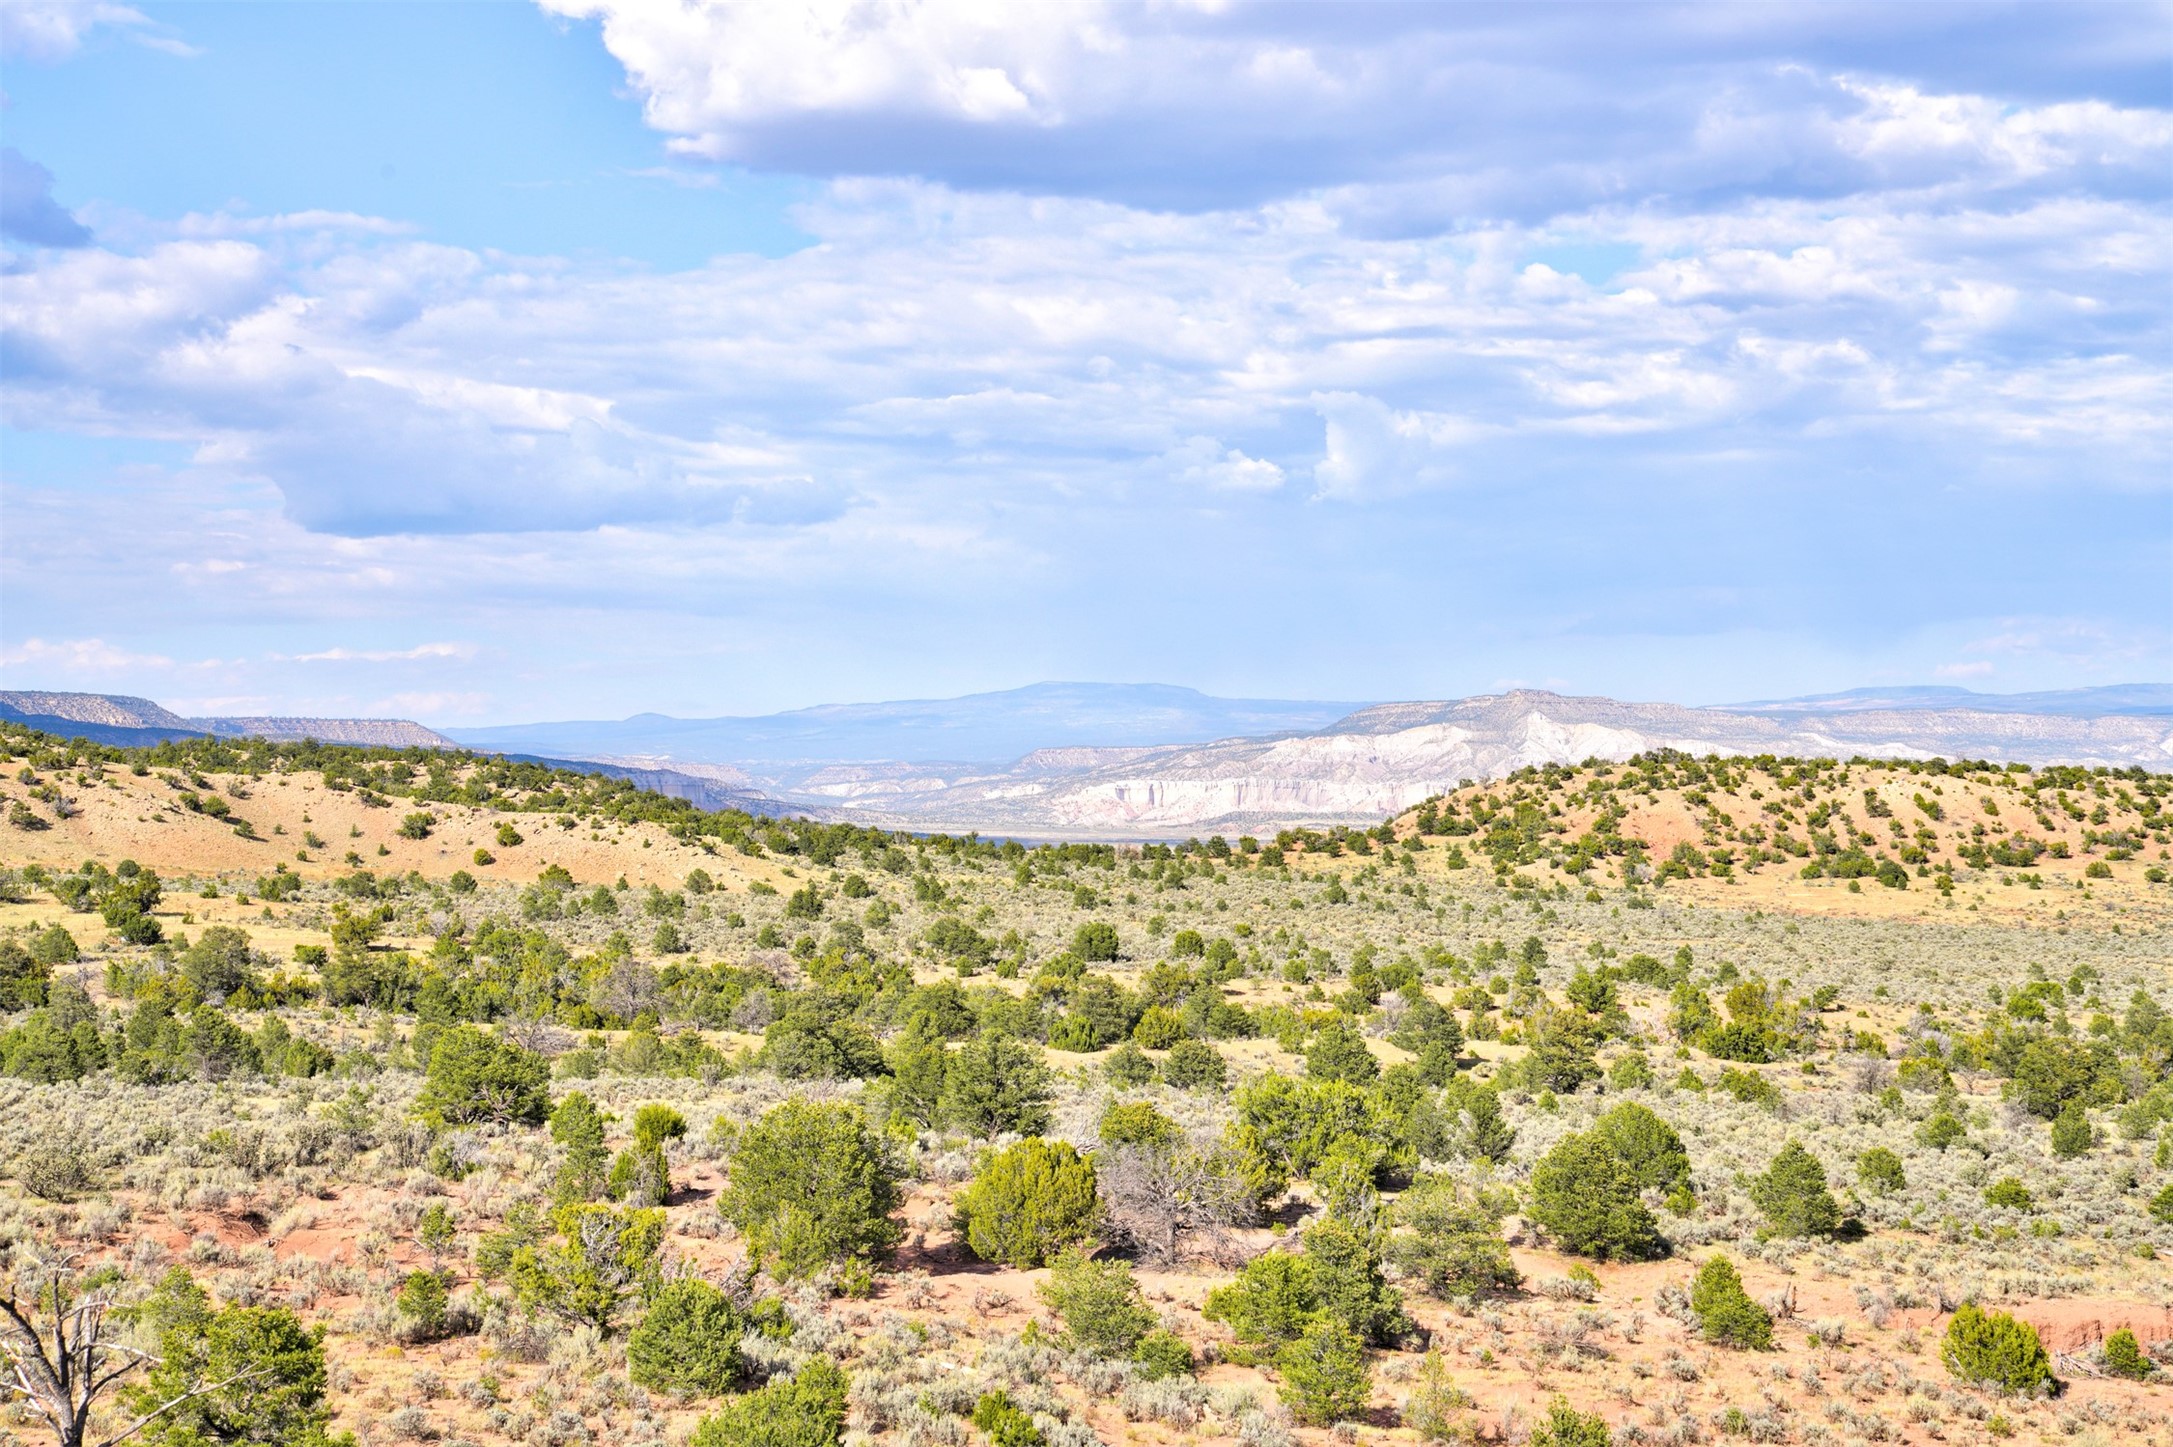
(497, 361)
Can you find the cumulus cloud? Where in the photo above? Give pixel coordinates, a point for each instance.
(1204, 462)
(1374, 452)
(1440, 112)
(710, 70)
(28, 211)
(1915, 137)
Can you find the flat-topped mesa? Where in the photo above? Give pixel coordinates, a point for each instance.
(124, 719)
(390, 733)
(108, 710)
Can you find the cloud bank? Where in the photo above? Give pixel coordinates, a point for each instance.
(1317, 286)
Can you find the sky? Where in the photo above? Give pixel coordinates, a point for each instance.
(501, 361)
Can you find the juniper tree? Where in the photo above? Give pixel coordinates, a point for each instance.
(1793, 1195)
(1029, 1202)
(997, 1084)
(811, 1186)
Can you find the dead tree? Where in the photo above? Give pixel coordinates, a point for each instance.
(61, 1347)
(1168, 1201)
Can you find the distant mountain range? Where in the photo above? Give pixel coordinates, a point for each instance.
(107, 718)
(982, 728)
(1077, 760)
(1000, 728)
(1384, 758)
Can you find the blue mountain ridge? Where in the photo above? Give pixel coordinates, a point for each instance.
(978, 728)
(999, 727)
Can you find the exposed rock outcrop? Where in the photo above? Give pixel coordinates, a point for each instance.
(1384, 759)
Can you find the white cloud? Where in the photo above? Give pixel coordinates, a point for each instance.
(1453, 111)
(939, 349)
(1204, 462)
(87, 312)
(221, 223)
(77, 655)
(1374, 452)
(707, 70)
(521, 409)
(50, 30)
(1912, 134)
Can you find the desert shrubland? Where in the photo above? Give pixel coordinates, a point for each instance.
(1674, 1101)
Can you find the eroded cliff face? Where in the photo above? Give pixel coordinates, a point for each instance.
(1382, 760)
(103, 709)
